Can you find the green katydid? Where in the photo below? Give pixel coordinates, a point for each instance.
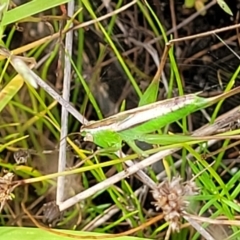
(138, 123)
(134, 124)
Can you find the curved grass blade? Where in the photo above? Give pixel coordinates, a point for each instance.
(29, 9)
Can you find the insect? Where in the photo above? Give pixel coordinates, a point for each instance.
(140, 122)
(135, 124)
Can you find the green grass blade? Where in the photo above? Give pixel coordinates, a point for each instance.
(29, 9)
(114, 48)
(7, 93)
(224, 7)
(150, 95)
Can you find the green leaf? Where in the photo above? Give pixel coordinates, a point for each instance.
(150, 95)
(224, 7)
(18, 233)
(3, 7)
(189, 3)
(231, 204)
(29, 9)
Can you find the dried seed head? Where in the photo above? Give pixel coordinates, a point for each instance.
(170, 198)
(21, 156)
(52, 214)
(5, 189)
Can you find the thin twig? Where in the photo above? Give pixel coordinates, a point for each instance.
(185, 22)
(64, 117)
(204, 34)
(219, 221)
(56, 35)
(28, 74)
(116, 178)
(199, 228)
